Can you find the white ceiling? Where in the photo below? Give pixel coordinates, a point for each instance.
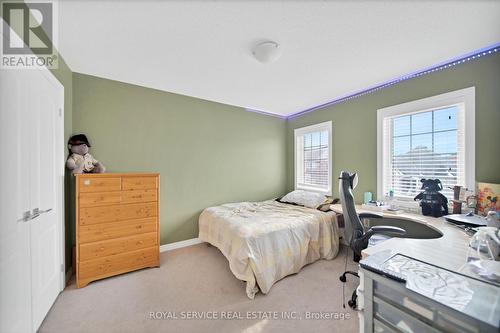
(330, 48)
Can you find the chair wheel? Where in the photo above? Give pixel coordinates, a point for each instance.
(343, 278)
(352, 304)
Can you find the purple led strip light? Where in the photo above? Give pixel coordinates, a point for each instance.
(443, 65)
(266, 113)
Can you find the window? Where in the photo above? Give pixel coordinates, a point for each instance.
(428, 138)
(313, 158)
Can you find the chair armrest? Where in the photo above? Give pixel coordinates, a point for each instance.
(384, 229)
(369, 216)
(362, 242)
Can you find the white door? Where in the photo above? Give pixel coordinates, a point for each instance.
(15, 262)
(31, 183)
(46, 175)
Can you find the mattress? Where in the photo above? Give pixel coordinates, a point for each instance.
(266, 241)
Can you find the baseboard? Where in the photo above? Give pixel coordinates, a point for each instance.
(178, 245)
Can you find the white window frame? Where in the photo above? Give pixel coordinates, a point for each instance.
(465, 96)
(298, 132)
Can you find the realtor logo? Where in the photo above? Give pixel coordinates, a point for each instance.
(29, 34)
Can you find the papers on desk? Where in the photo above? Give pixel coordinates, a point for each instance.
(381, 209)
(467, 219)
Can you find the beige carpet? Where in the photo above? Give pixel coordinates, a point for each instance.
(197, 279)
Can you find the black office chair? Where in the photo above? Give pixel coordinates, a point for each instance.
(355, 234)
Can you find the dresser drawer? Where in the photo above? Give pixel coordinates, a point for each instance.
(99, 184)
(380, 327)
(139, 183)
(139, 196)
(117, 264)
(97, 232)
(95, 215)
(90, 199)
(394, 317)
(105, 248)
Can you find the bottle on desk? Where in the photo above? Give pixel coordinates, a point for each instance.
(389, 200)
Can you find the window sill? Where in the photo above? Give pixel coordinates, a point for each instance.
(406, 205)
(313, 189)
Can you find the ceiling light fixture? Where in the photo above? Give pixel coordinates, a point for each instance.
(267, 51)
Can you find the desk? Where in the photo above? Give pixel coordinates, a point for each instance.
(432, 300)
(448, 251)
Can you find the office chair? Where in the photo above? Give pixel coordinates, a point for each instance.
(355, 234)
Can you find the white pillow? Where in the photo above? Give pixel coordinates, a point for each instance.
(304, 198)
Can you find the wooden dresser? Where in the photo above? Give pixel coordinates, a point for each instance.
(117, 224)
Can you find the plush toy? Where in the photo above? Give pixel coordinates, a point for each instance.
(432, 202)
(79, 159)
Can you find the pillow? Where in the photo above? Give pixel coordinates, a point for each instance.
(304, 198)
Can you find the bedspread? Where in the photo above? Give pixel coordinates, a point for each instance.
(266, 241)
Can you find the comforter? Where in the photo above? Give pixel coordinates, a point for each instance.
(266, 241)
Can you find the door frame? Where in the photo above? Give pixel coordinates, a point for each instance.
(52, 80)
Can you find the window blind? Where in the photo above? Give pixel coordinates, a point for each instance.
(427, 144)
(312, 157)
(315, 159)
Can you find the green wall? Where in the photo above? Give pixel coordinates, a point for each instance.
(207, 153)
(355, 122)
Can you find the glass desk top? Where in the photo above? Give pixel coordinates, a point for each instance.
(475, 298)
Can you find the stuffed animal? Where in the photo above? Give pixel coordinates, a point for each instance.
(79, 159)
(432, 202)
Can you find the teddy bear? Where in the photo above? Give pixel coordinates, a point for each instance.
(432, 202)
(79, 159)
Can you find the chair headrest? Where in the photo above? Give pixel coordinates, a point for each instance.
(352, 178)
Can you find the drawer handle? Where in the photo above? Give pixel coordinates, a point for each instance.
(426, 313)
(140, 242)
(139, 227)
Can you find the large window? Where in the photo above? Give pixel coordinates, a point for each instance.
(313, 158)
(429, 138)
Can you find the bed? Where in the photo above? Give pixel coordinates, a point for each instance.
(266, 241)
